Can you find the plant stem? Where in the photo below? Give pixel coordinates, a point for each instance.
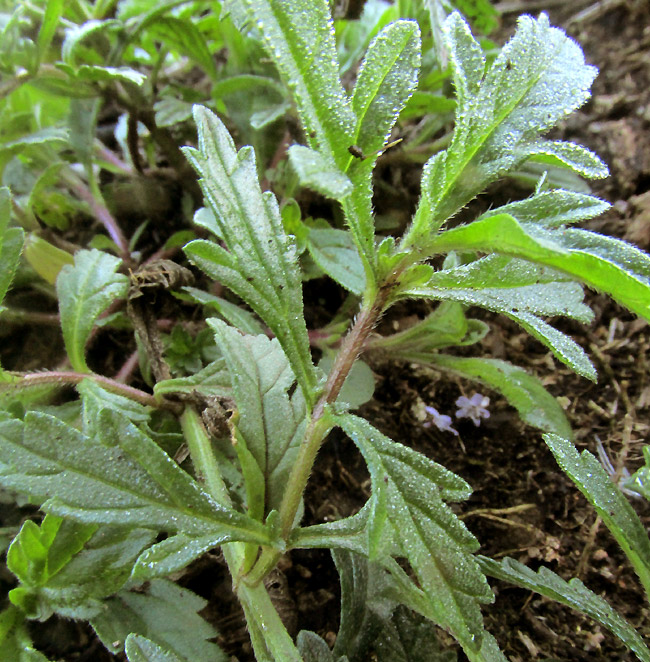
(320, 424)
(203, 458)
(69, 378)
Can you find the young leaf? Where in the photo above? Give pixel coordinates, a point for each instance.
(408, 508)
(615, 510)
(85, 290)
(270, 423)
(79, 578)
(387, 77)
(141, 649)
(536, 406)
(260, 264)
(639, 481)
(48, 27)
(573, 594)
(538, 78)
(126, 479)
(166, 615)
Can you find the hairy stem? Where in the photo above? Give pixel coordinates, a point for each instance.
(70, 378)
(320, 424)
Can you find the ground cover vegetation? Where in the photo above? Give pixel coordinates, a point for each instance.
(191, 221)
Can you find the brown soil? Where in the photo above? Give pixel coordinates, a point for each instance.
(522, 506)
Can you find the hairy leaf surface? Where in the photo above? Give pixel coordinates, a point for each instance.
(270, 423)
(164, 613)
(408, 508)
(141, 649)
(85, 290)
(11, 245)
(260, 264)
(126, 479)
(573, 594)
(538, 77)
(615, 510)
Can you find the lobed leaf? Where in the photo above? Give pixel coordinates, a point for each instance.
(84, 576)
(270, 423)
(260, 263)
(141, 649)
(604, 263)
(573, 594)
(298, 35)
(165, 615)
(408, 509)
(213, 380)
(538, 77)
(126, 479)
(615, 510)
(85, 290)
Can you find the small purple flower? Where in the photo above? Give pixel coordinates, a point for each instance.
(441, 421)
(474, 408)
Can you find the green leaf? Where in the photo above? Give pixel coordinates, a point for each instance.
(97, 74)
(445, 326)
(365, 609)
(39, 552)
(573, 594)
(85, 290)
(553, 209)
(46, 259)
(48, 27)
(335, 253)
(260, 263)
(15, 642)
(270, 423)
(141, 649)
(75, 36)
(524, 391)
(11, 246)
(126, 479)
(166, 615)
(174, 554)
(213, 380)
(521, 291)
(359, 385)
(234, 315)
(408, 637)
(606, 264)
(408, 508)
(615, 510)
(101, 568)
(315, 172)
(94, 399)
(386, 79)
(538, 78)
(299, 37)
(184, 37)
(313, 648)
